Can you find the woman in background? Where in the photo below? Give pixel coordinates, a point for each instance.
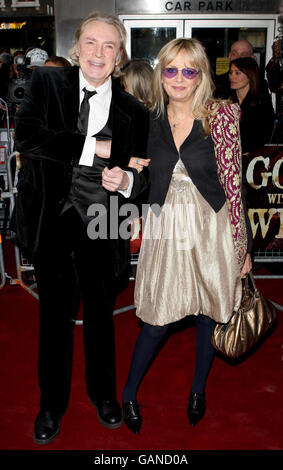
(137, 80)
(257, 117)
(195, 169)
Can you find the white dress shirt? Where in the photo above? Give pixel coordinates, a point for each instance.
(99, 105)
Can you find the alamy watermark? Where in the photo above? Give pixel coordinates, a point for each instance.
(168, 222)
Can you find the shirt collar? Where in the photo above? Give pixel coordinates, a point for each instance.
(105, 88)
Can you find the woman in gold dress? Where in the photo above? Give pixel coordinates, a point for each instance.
(195, 244)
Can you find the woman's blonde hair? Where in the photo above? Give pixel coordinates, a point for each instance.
(205, 86)
(111, 20)
(137, 80)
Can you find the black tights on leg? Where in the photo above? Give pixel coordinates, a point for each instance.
(146, 345)
(204, 352)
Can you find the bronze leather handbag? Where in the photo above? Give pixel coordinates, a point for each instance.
(255, 316)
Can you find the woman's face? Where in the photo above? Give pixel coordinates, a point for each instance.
(238, 79)
(179, 88)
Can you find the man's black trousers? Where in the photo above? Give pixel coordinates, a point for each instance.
(70, 266)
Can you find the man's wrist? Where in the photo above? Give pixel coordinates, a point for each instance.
(125, 182)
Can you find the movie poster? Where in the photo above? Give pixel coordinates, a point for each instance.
(263, 172)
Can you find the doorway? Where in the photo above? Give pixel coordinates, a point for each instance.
(147, 34)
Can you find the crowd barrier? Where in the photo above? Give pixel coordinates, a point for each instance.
(262, 171)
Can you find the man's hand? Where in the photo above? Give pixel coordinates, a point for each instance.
(115, 179)
(103, 148)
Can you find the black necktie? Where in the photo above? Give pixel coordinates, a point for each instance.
(84, 111)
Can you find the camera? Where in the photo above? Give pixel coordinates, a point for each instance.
(16, 89)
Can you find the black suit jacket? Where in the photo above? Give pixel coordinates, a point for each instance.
(49, 144)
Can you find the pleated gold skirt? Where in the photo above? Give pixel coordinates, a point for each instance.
(187, 263)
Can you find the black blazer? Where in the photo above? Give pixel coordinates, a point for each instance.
(199, 162)
(48, 142)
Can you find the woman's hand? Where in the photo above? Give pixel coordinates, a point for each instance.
(247, 265)
(138, 163)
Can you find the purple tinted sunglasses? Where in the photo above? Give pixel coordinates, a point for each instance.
(170, 72)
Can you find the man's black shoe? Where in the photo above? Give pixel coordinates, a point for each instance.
(46, 427)
(109, 413)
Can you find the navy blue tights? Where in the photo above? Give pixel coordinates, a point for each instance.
(147, 343)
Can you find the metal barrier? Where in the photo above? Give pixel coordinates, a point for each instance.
(22, 265)
(6, 143)
(2, 266)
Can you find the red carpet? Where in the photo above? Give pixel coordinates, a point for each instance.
(244, 400)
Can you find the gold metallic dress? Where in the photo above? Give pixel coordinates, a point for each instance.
(187, 263)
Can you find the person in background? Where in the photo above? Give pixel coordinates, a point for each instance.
(196, 171)
(137, 80)
(14, 73)
(57, 61)
(241, 48)
(36, 57)
(257, 117)
(5, 65)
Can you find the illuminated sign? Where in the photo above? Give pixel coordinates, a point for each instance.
(12, 25)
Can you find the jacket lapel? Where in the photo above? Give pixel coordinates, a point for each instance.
(121, 129)
(71, 97)
(165, 130)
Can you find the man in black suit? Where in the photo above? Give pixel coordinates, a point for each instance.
(67, 168)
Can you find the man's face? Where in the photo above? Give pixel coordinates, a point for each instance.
(98, 51)
(240, 49)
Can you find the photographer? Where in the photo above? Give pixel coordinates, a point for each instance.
(14, 73)
(21, 69)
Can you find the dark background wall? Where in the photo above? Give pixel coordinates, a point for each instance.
(68, 15)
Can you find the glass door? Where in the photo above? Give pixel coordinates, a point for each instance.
(145, 38)
(218, 36)
(146, 35)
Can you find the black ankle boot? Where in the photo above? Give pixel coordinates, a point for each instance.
(196, 407)
(132, 416)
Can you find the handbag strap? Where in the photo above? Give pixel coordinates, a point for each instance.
(251, 276)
